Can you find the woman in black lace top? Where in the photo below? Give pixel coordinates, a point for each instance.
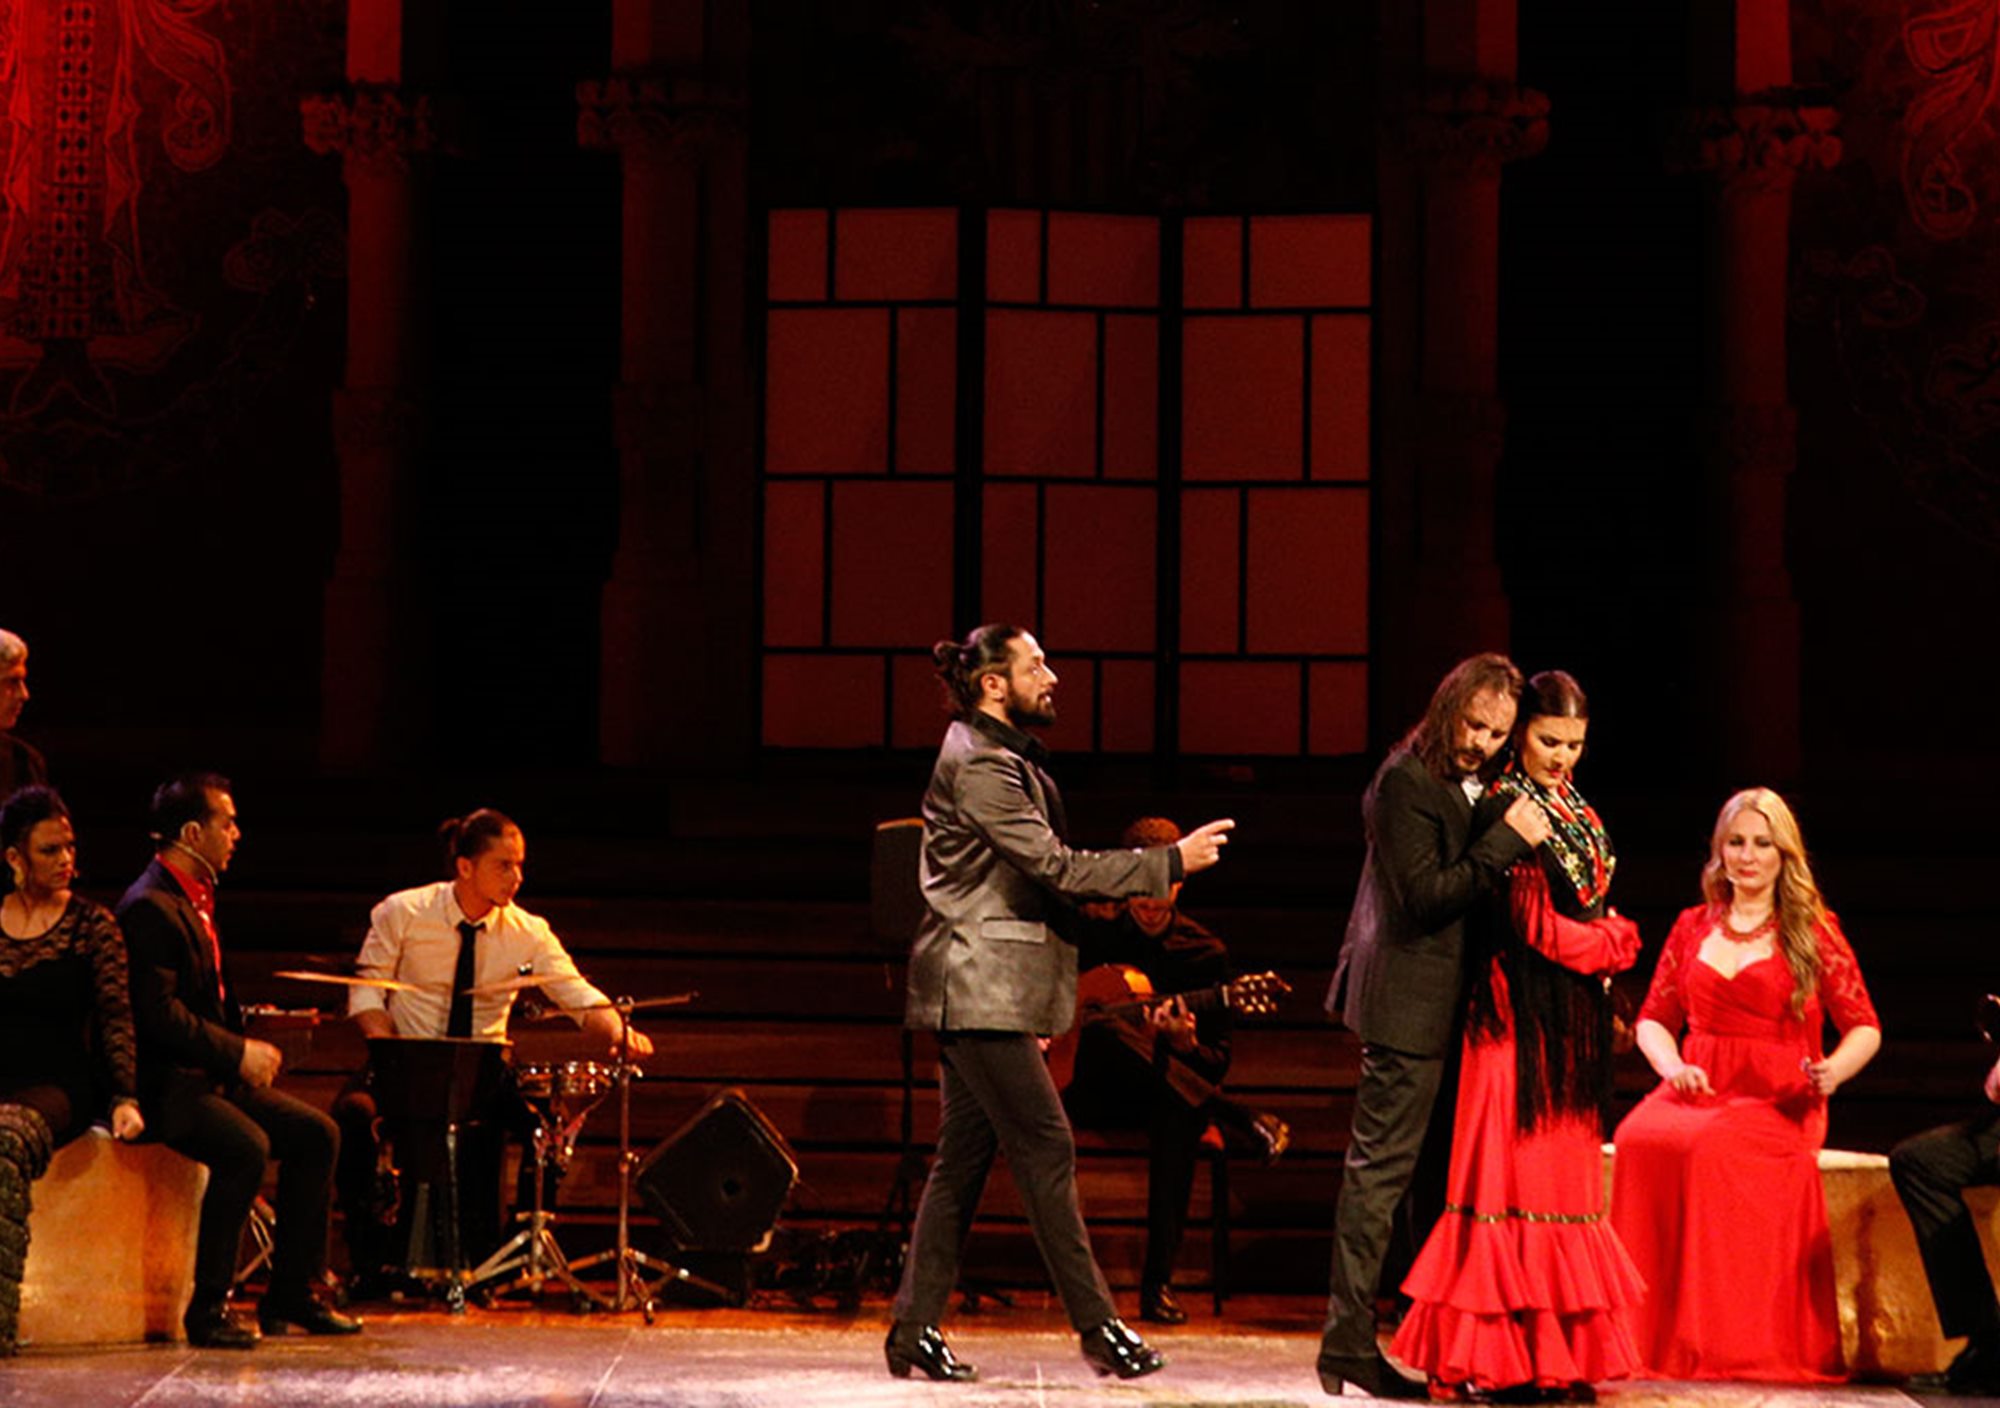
(66, 1049)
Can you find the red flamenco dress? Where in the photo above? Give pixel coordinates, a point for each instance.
(1719, 1195)
(1522, 1282)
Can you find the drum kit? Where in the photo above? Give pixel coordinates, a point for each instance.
(434, 1085)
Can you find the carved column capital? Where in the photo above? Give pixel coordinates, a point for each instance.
(660, 117)
(1759, 143)
(371, 123)
(1474, 126)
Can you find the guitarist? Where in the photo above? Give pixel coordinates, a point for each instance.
(1160, 1067)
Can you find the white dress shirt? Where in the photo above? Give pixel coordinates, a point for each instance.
(413, 937)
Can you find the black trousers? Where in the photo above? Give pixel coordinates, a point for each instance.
(374, 1240)
(1392, 1111)
(998, 1098)
(236, 1132)
(1931, 1171)
(1121, 1091)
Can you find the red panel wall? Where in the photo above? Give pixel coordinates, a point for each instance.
(891, 576)
(826, 391)
(1211, 570)
(858, 501)
(1239, 706)
(1103, 550)
(861, 456)
(1308, 573)
(1242, 398)
(794, 563)
(1274, 403)
(1041, 393)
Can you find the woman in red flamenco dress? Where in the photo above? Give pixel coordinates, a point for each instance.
(1717, 1187)
(1521, 1291)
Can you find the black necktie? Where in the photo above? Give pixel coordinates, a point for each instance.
(460, 1021)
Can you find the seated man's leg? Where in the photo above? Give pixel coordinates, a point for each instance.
(358, 1180)
(203, 1126)
(306, 1144)
(1931, 1171)
(1174, 1132)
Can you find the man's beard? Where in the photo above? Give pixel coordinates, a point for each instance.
(1024, 710)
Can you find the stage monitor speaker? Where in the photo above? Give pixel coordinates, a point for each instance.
(720, 1180)
(895, 894)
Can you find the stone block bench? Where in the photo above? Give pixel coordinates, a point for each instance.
(110, 1244)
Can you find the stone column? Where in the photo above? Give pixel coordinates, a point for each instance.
(375, 697)
(1752, 149)
(1447, 140)
(677, 671)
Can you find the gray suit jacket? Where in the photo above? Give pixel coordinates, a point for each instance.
(1401, 974)
(998, 881)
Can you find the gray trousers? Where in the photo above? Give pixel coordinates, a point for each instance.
(998, 1098)
(1392, 1111)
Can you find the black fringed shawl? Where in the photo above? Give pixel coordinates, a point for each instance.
(1562, 1018)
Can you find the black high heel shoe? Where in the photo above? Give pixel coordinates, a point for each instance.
(925, 1350)
(1114, 1348)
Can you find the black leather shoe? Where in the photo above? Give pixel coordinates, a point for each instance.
(1159, 1306)
(1114, 1348)
(1371, 1373)
(925, 1349)
(279, 1314)
(1273, 1134)
(1972, 1373)
(214, 1329)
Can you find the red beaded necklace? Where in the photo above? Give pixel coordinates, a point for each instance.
(1738, 936)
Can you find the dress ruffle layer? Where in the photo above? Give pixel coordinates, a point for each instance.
(1514, 1302)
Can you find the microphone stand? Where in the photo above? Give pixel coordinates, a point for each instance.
(630, 1288)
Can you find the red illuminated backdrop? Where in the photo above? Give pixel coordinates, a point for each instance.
(1173, 491)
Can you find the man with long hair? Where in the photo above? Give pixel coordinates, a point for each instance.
(1400, 979)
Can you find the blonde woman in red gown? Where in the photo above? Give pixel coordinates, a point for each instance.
(1717, 1189)
(1521, 1292)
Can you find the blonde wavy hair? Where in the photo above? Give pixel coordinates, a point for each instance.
(1795, 897)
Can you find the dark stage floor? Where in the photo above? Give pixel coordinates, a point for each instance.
(1261, 1354)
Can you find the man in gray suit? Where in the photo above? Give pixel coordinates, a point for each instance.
(993, 973)
(1400, 979)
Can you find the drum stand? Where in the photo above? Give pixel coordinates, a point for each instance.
(630, 1289)
(534, 1248)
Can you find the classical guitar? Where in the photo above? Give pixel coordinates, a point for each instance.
(1123, 995)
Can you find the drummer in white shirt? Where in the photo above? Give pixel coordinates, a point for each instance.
(443, 938)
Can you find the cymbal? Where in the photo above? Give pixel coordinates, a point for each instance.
(347, 980)
(516, 984)
(642, 1003)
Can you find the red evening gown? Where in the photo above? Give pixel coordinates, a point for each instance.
(1716, 1196)
(1522, 1280)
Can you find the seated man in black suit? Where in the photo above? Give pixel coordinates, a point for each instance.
(1931, 1171)
(205, 1088)
(1161, 1069)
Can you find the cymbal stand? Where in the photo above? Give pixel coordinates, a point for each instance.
(534, 1249)
(631, 1289)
